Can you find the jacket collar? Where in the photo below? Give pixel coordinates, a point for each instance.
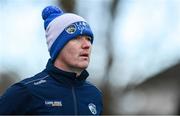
(63, 76)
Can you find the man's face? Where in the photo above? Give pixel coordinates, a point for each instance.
(76, 53)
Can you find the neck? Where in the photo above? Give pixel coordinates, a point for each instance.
(66, 68)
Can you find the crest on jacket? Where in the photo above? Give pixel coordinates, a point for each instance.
(92, 108)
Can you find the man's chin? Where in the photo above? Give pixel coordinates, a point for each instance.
(84, 65)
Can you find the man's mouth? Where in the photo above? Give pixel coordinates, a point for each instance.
(84, 55)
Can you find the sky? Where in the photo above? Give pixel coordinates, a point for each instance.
(23, 45)
(146, 37)
(148, 32)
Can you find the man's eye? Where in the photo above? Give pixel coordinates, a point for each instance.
(85, 37)
(88, 38)
(78, 37)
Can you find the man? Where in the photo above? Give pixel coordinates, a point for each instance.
(62, 87)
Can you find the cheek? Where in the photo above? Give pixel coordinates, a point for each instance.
(71, 53)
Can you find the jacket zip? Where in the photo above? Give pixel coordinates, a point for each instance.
(75, 100)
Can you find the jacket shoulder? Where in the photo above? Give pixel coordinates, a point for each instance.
(36, 78)
(14, 99)
(94, 87)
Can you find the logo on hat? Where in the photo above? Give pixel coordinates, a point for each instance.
(92, 108)
(71, 29)
(81, 26)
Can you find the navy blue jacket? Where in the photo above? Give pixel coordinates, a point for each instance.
(52, 91)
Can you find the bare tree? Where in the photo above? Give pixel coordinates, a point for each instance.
(105, 86)
(67, 5)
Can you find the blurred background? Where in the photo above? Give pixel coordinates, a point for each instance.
(135, 59)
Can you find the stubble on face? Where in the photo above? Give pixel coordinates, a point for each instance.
(73, 57)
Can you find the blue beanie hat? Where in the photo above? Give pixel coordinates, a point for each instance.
(61, 27)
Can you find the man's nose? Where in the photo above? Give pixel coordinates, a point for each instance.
(86, 44)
